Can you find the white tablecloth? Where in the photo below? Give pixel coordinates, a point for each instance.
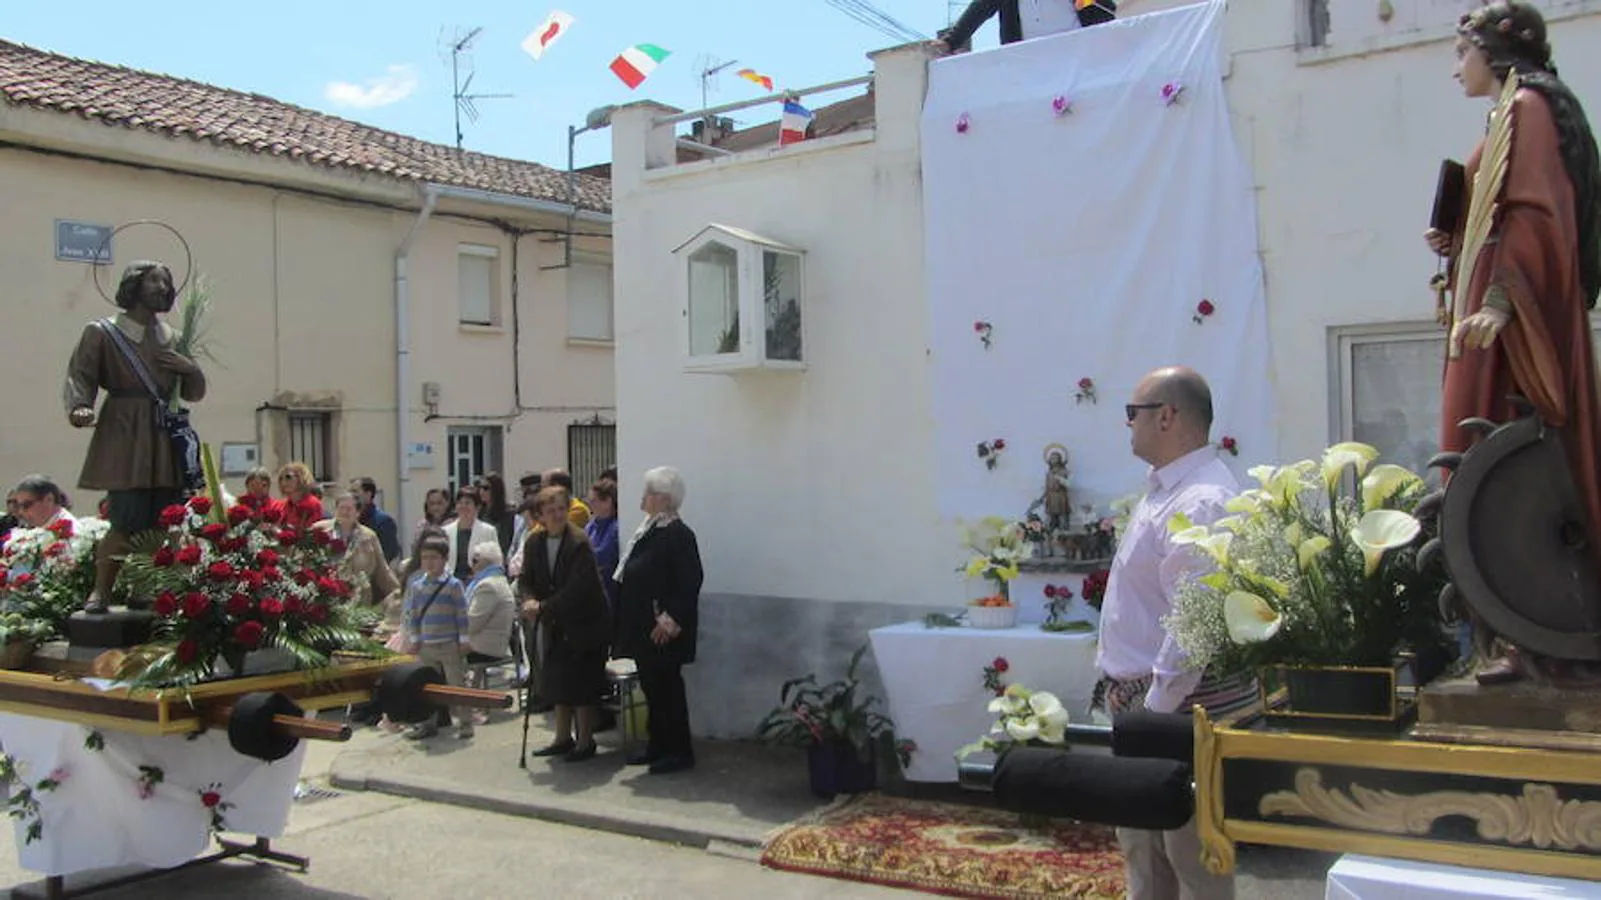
(935, 681)
(97, 819)
(1372, 878)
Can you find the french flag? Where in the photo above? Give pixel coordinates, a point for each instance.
(792, 126)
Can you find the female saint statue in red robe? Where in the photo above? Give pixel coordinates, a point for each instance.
(1521, 323)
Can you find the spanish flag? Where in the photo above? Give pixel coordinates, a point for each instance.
(756, 77)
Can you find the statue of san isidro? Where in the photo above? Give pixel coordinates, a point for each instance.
(131, 456)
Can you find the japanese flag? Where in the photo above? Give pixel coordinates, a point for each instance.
(554, 26)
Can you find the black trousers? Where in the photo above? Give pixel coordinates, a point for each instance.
(667, 710)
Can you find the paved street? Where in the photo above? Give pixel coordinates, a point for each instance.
(386, 845)
(375, 846)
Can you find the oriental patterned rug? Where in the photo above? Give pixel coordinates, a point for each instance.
(945, 848)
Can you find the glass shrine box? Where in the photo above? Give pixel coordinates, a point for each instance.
(745, 307)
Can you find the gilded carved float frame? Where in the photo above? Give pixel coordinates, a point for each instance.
(1533, 825)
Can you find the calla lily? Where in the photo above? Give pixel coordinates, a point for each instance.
(1192, 535)
(1350, 453)
(1006, 705)
(1179, 522)
(1262, 473)
(1217, 546)
(1024, 730)
(1007, 572)
(1048, 708)
(1247, 503)
(1285, 484)
(1292, 534)
(1383, 483)
(1310, 549)
(1249, 618)
(1051, 733)
(1383, 529)
(1235, 524)
(975, 566)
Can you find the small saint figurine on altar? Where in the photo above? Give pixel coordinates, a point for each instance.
(1058, 498)
(132, 358)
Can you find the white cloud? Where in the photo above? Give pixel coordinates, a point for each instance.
(396, 84)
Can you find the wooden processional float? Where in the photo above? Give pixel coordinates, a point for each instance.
(1498, 775)
(264, 715)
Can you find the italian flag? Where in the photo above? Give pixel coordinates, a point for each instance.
(636, 63)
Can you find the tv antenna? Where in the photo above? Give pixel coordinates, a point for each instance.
(464, 100)
(709, 67)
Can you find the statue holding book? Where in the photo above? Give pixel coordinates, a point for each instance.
(1524, 247)
(137, 454)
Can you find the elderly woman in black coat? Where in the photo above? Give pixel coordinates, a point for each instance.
(559, 575)
(659, 580)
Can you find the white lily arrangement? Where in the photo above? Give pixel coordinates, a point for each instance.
(1026, 718)
(1308, 571)
(998, 546)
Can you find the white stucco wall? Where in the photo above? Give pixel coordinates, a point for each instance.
(811, 484)
(820, 484)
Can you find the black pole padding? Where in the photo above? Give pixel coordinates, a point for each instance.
(1151, 735)
(250, 727)
(1152, 794)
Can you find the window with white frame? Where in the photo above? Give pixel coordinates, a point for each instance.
(472, 452)
(1389, 390)
(589, 300)
(478, 283)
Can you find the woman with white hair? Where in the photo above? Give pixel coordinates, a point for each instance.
(490, 610)
(659, 577)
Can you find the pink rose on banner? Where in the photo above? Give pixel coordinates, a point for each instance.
(962, 123)
(1061, 106)
(1171, 92)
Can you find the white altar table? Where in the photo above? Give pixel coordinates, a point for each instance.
(934, 678)
(1371, 878)
(105, 811)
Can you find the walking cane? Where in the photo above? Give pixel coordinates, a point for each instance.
(530, 648)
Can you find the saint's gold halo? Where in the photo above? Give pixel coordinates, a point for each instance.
(105, 245)
(1066, 457)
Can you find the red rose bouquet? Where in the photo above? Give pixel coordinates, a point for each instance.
(224, 583)
(1094, 587)
(45, 574)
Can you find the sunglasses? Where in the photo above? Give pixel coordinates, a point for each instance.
(1133, 409)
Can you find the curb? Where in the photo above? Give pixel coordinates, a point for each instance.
(632, 823)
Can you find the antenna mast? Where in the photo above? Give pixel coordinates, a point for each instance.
(708, 72)
(464, 100)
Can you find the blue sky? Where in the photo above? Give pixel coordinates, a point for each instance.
(392, 61)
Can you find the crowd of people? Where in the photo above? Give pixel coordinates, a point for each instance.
(546, 581)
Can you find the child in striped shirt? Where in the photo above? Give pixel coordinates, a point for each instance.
(435, 617)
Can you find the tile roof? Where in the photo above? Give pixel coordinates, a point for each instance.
(179, 108)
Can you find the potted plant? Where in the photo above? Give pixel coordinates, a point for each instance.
(1316, 586)
(998, 547)
(836, 724)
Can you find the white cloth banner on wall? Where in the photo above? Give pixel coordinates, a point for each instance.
(103, 815)
(1088, 240)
